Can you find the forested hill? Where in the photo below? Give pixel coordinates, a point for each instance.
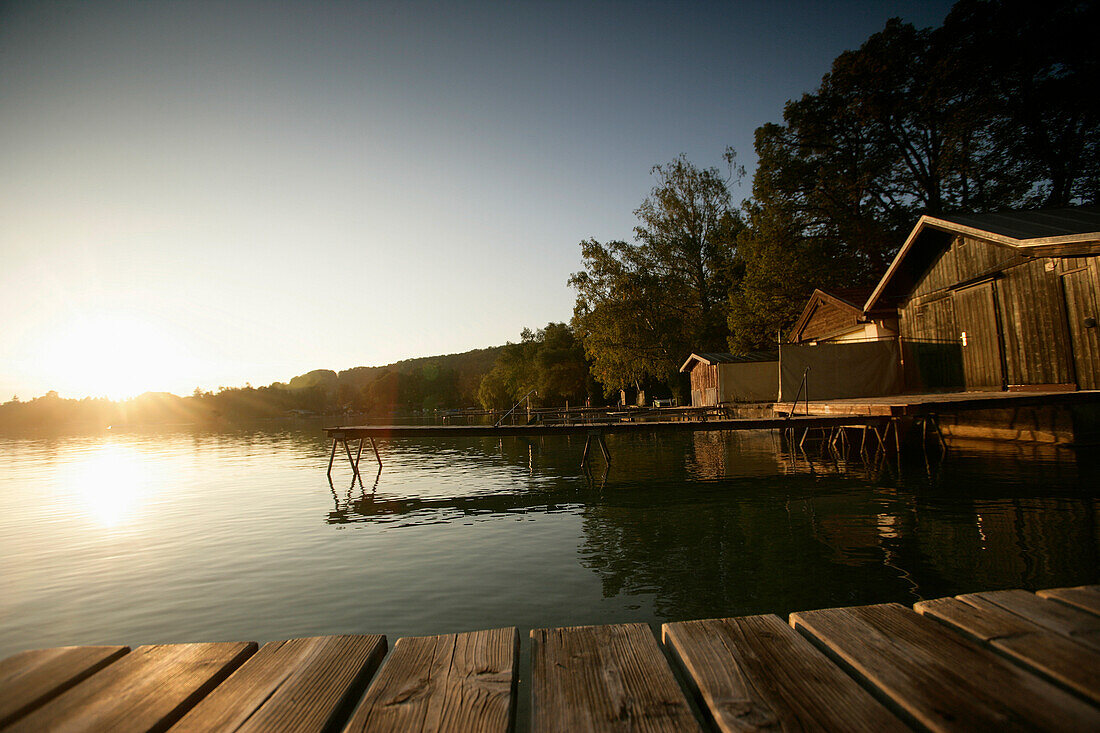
(408, 386)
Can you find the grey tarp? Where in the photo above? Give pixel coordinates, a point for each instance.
(751, 381)
(840, 370)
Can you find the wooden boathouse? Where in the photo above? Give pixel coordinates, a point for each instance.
(722, 378)
(837, 316)
(1005, 301)
(1005, 659)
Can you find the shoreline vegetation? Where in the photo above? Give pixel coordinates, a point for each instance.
(993, 110)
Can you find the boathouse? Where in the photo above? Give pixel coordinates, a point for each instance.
(837, 316)
(1004, 301)
(837, 351)
(718, 378)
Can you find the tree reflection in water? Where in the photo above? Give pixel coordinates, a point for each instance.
(716, 524)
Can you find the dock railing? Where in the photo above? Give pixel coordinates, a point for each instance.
(520, 402)
(804, 383)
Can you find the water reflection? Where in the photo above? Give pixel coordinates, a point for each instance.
(728, 523)
(111, 482)
(175, 534)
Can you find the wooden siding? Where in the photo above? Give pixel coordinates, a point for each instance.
(1024, 318)
(1081, 283)
(979, 332)
(1033, 315)
(931, 348)
(828, 320)
(704, 384)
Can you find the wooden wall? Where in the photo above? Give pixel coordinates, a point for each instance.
(827, 319)
(704, 384)
(1023, 319)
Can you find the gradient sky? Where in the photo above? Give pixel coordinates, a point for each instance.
(204, 194)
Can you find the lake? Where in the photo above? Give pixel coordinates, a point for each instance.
(188, 534)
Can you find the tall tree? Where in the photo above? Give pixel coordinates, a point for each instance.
(642, 307)
(549, 362)
(1035, 70)
(995, 109)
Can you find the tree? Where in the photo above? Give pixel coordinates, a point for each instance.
(642, 307)
(996, 109)
(1036, 69)
(549, 362)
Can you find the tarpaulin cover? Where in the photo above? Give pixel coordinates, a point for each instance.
(754, 381)
(841, 370)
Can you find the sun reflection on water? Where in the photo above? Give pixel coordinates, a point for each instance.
(111, 484)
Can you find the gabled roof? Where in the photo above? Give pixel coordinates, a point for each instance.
(1068, 232)
(850, 299)
(711, 358)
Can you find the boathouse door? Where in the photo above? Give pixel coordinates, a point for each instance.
(1083, 314)
(980, 337)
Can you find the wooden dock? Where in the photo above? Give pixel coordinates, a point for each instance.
(998, 660)
(593, 431)
(910, 405)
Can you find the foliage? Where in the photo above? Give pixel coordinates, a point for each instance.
(549, 361)
(642, 306)
(996, 109)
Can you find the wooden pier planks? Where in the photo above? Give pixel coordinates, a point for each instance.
(293, 685)
(454, 682)
(1084, 597)
(30, 679)
(938, 678)
(602, 678)
(1073, 623)
(1056, 657)
(757, 673)
(751, 673)
(148, 689)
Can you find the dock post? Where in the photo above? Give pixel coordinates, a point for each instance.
(375, 447)
(354, 464)
(331, 457)
(603, 447)
(584, 456)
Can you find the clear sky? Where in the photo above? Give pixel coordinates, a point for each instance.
(204, 194)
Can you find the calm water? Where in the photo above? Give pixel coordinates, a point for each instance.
(183, 535)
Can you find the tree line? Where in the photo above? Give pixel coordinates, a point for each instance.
(410, 387)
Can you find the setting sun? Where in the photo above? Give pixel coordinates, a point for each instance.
(114, 355)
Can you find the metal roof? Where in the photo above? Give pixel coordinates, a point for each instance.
(1036, 224)
(711, 358)
(1066, 232)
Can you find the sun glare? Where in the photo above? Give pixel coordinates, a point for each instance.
(111, 484)
(116, 356)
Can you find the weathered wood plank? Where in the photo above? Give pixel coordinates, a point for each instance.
(31, 678)
(936, 676)
(757, 673)
(146, 690)
(1056, 657)
(600, 678)
(299, 684)
(1082, 627)
(454, 682)
(1084, 597)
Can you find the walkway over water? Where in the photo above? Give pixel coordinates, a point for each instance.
(799, 424)
(979, 661)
